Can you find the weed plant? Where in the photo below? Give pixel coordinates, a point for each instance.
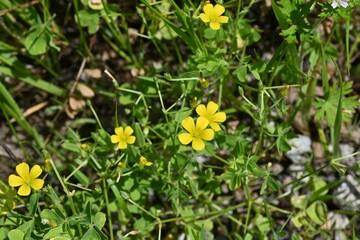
(173, 119)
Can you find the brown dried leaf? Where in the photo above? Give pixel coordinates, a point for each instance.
(76, 104)
(85, 90)
(70, 112)
(94, 73)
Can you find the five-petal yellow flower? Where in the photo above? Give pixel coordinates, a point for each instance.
(27, 179)
(196, 132)
(212, 14)
(209, 112)
(144, 162)
(123, 137)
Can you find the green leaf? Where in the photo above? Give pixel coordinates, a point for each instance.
(16, 234)
(241, 72)
(53, 216)
(37, 41)
(91, 234)
(326, 108)
(100, 219)
(89, 19)
(57, 233)
(33, 203)
(317, 212)
(300, 201)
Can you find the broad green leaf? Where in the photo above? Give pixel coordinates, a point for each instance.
(37, 41)
(16, 234)
(317, 212)
(100, 219)
(91, 234)
(300, 201)
(53, 216)
(89, 19)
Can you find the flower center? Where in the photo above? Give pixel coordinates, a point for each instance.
(212, 19)
(123, 138)
(196, 134)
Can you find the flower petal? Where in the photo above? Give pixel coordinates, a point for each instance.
(23, 170)
(207, 134)
(185, 138)
(128, 131)
(214, 25)
(189, 124)
(208, 9)
(131, 139)
(215, 126)
(198, 144)
(344, 4)
(201, 110)
(201, 123)
(334, 4)
(37, 184)
(212, 108)
(219, 117)
(24, 190)
(115, 138)
(122, 145)
(119, 131)
(218, 10)
(15, 181)
(223, 19)
(205, 18)
(35, 172)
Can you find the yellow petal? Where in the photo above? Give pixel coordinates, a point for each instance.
(35, 172)
(131, 139)
(201, 123)
(201, 110)
(119, 131)
(24, 190)
(23, 170)
(148, 163)
(189, 124)
(15, 181)
(128, 131)
(214, 25)
(122, 145)
(37, 184)
(218, 10)
(208, 9)
(185, 138)
(212, 108)
(198, 144)
(114, 138)
(205, 18)
(207, 134)
(223, 19)
(215, 126)
(219, 117)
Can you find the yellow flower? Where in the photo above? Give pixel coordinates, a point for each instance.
(26, 179)
(123, 137)
(210, 114)
(212, 14)
(196, 132)
(144, 162)
(204, 83)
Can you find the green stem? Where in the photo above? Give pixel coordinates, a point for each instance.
(108, 212)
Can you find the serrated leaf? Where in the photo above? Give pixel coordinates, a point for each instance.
(326, 108)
